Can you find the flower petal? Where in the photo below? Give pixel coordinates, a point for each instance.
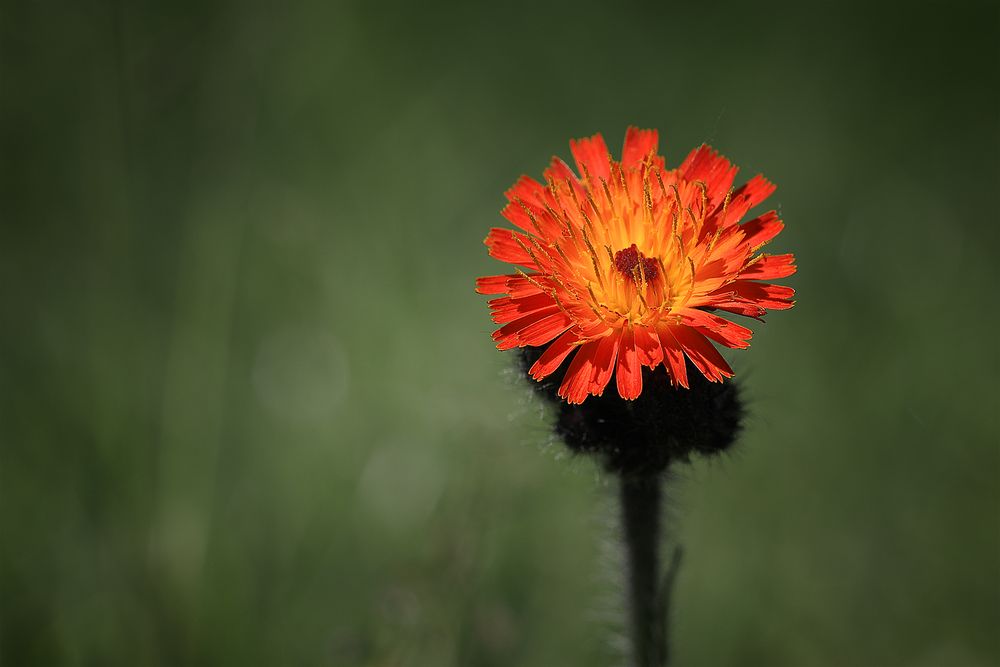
(673, 357)
(525, 284)
(559, 172)
(575, 385)
(563, 180)
(702, 353)
(638, 145)
(604, 362)
(705, 164)
(770, 267)
(494, 284)
(592, 157)
(544, 330)
(739, 307)
(506, 309)
(762, 229)
(508, 336)
(647, 345)
(717, 328)
(517, 215)
(503, 245)
(554, 355)
(748, 195)
(765, 295)
(629, 373)
(527, 190)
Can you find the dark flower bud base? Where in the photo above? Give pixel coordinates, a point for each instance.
(643, 437)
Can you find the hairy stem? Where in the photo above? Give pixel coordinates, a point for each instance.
(640, 498)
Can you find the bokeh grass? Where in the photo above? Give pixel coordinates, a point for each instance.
(249, 410)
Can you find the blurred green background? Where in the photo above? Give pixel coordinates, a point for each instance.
(250, 412)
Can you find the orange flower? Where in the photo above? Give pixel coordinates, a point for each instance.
(626, 263)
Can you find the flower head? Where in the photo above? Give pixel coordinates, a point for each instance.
(625, 264)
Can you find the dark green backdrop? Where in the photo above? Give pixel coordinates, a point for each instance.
(249, 409)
